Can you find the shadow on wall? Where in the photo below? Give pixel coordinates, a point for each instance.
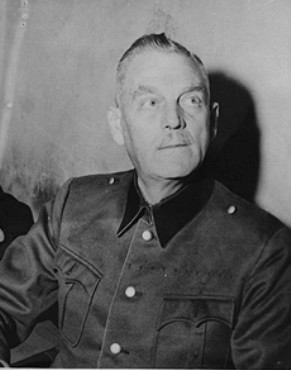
(234, 155)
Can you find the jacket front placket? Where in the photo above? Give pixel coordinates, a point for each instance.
(130, 329)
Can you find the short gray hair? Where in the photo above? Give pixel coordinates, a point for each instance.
(161, 43)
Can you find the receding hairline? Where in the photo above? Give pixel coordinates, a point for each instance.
(158, 43)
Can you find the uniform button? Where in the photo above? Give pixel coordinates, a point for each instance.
(231, 210)
(2, 236)
(130, 292)
(147, 235)
(115, 348)
(111, 180)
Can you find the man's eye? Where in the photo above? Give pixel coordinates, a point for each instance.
(150, 103)
(194, 100)
(191, 101)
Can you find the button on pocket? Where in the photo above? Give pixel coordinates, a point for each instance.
(77, 284)
(194, 332)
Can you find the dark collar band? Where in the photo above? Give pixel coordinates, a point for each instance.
(172, 213)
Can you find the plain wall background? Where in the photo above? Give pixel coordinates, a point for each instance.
(57, 73)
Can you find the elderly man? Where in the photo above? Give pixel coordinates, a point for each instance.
(159, 266)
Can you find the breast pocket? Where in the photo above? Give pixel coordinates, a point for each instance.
(78, 281)
(194, 332)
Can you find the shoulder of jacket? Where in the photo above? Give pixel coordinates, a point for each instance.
(105, 181)
(88, 191)
(244, 214)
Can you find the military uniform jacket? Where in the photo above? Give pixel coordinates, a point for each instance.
(217, 296)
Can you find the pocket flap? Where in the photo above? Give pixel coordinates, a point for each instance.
(76, 269)
(197, 309)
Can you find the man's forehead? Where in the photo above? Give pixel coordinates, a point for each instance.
(151, 65)
(141, 89)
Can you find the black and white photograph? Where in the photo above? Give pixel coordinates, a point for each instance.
(145, 184)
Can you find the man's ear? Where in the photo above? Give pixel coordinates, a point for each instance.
(114, 120)
(214, 115)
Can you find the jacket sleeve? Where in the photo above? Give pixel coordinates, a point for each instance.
(28, 284)
(262, 335)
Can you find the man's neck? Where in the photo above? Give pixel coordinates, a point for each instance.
(154, 190)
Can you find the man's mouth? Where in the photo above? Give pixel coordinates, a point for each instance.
(171, 146)
(175, 141)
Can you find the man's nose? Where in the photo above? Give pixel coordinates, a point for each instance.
(174, 118)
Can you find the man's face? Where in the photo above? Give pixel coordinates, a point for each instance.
(163, 118)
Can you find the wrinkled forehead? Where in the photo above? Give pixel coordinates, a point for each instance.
(154, 65)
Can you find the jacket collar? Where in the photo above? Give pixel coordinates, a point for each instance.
(172, 213)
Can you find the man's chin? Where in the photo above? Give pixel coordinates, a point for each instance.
(176, 166)
(175, 173)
